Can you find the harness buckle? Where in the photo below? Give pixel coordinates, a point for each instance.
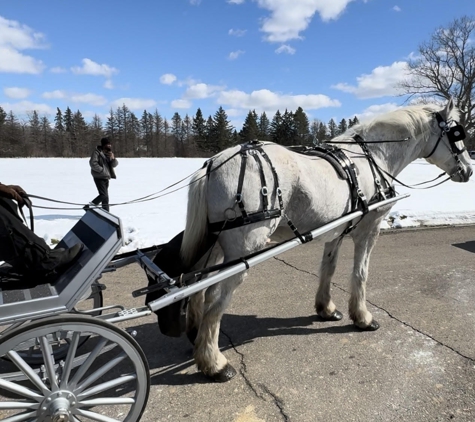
(360, 193)
(279, 191)
(264, 191)
(239, 198)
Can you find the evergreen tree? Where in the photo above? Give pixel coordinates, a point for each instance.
(250, 129)
(112, 128)
(302, 128)
(13, 137)
(146, 130)
(176, 131)
(276, 129)
(289, 129)
(198, 129)
(332, 129)
(221, 135)
(353, 122)
(33, 139)
(79, 131)
(264, 127)
(322, 134)
(45, 135)
(342, 126)
(158, 134)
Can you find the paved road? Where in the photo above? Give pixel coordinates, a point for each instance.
(419, 366)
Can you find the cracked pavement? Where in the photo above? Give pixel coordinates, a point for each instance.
(419, 366)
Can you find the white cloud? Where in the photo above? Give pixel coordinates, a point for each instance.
(16, 93)
(288, 18)
(396, 8)
(15, 37)
(24, 107)
(58, 69)
(237, 32)
(57, 94)
(167, 78)
(381, 82)
(12, 61)
(284, 48)
(265, 100)
(201, 90)
(134, 103)
(235, 54)
(108, 84)
(181, 103)
(375, 110)
(236, 1)
(89, 98)
(92, 99)
(90, 67)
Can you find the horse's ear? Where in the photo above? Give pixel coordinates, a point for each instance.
(448, 108)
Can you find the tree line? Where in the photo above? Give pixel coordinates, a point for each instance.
(152, 135)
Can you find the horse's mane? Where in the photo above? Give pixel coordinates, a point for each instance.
(411, 121)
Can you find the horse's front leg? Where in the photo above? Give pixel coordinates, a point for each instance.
(364, 238)
(324, 305)
(208, 358)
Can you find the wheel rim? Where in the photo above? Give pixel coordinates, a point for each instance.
(33, 356)
(109, 383)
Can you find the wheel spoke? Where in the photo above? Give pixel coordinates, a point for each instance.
(107, 401)
(28, 371)
(21, 417)
(95, 416)
(9, 405)
(90, 359)
(96, 375)
(68, 365)
(48, 359)
(20, 390)
(106, 386)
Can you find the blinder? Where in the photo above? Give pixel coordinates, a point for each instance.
(454, 133)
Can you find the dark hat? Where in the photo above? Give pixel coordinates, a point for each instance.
(105, 141)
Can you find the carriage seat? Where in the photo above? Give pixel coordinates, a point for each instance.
(21, 299)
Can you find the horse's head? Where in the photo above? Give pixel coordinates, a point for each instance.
(445, 147)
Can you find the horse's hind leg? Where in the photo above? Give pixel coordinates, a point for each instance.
(364, 237)
(208, 358)
(194, 315)
(323, 303)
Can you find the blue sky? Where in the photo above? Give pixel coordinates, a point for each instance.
(334, 58)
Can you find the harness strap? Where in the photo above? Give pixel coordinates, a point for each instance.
(240, 183)
(277, 189)
(264, 191)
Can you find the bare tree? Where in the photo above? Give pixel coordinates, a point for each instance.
(445, 68)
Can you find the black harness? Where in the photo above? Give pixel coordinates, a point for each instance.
(342, 164)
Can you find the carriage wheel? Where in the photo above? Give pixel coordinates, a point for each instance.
(110, 382)
(33, 356)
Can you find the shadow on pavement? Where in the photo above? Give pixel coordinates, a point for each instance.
(171, 359)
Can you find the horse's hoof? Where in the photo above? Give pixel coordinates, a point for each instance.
(224, 375)
(371, 327)
(192, 334)
(334, 316)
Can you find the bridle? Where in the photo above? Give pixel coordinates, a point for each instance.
(454, 134)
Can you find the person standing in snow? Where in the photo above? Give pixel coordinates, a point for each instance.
(102, 164)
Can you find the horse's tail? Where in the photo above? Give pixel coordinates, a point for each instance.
(196, 229)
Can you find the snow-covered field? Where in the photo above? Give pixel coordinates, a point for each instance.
(157, 221)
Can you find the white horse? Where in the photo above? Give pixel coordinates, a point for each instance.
(313, 194)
